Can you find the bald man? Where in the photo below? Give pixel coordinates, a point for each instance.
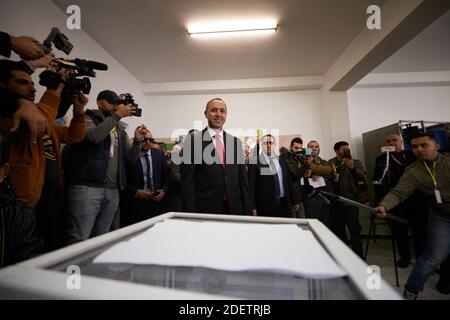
(383, 182)
(213, 173)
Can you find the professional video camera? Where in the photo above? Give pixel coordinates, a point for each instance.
(127, 98)
(303, 153)
(73, 84)
(60, 41)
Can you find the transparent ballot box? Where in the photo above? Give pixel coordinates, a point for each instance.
(137, 262)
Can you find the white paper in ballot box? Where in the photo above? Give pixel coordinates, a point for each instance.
(280, 248)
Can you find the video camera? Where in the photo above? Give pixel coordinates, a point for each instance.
(73, 82)
(60, 41)
(303, 153)
(127, 98)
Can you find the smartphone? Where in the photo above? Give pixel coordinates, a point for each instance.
(347, 154)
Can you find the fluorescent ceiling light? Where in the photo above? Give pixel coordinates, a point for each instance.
(232, 28)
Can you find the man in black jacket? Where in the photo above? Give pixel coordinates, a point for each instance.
(18, 236)
(270, 182)
(147, 183)
(389, 167)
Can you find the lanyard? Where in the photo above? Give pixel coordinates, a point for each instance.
(335, 168)
(395, 159)
(432, 175)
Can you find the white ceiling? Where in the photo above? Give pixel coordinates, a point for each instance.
(148, 38)
(428, 51)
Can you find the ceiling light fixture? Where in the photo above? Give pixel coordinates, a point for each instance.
(232, 28)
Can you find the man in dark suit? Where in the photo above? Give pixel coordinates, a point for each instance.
(148, 183)
(213, 173)
(270, 182)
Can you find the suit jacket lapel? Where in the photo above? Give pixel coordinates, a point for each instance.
(140, 170)
(155, 168)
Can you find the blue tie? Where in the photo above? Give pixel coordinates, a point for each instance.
(149, 180)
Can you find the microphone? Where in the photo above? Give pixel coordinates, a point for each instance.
(91, 64)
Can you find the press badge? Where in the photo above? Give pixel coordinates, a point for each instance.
(336, 177)
(437, 193)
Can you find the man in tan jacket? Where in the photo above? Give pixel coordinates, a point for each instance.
(430, 175)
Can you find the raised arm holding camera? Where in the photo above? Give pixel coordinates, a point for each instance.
(96, 168)
(35, 161)
(297, 169)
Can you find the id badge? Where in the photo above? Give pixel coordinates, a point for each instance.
(336, 177)
(437, 193)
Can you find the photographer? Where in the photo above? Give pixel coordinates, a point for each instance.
(12, 104)
(347, 173)
(15, 106)
(96, 167)
(297, 169)
(36, 165)
(319, 175)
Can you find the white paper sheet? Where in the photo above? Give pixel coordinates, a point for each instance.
(279, 248)
(320, 182)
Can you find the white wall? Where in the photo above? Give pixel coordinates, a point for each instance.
(36, 18)
(373, 108)
(292, 112)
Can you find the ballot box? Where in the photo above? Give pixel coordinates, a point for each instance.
(201, 256)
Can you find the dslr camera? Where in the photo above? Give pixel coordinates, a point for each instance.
(127, 98)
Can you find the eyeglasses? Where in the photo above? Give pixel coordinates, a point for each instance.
(268, 142)
(149, 140)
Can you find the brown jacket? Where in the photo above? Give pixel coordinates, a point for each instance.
(322, 168)
(27, 159)
(347, 179)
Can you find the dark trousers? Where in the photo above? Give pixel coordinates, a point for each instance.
(444, 272)
(50, 223)
(348, 216)
(317, 208)
(139, 210)
(276, 208)
(417, 215)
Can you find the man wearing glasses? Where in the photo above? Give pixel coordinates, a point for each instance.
(148, 183)
(270, 182)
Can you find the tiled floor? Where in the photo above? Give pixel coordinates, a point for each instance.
(380, 253)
